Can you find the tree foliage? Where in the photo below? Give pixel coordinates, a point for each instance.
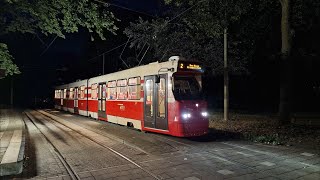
(6, 61)
(197, 29)
(55, 17)
(173, 38)
(197, 32)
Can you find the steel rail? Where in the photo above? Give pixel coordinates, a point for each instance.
(105, 146)
(70, 170)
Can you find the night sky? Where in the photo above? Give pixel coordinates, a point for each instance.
(73, 58)
(66, 60)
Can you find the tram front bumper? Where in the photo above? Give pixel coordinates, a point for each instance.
(191, 129)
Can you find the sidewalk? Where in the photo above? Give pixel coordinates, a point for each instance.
(12, 142)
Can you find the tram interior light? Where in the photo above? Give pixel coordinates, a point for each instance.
(186, 115)
(204, 114)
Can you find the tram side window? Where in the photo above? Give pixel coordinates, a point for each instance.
(161, 98)
(68, 93)
(94, 93)
(134, 88)
(64, 93)
(71, 93)
(149, 100)
(79, 93)
(61, 94)
(104, 91)
(82, 89)
(112, 90)
(122, 89)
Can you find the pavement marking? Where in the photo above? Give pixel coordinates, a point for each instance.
(225, 172)
(247, 155)
(307, 154)
(12, 153)
(191, 178)
(266, 163)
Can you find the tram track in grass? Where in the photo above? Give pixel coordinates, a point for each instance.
(81, 131)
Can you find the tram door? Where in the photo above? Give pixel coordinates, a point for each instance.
(61, 96)
(155, 102)
(76, 94)
(102, 95)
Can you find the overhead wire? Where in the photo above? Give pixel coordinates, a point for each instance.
(48, 46)
(178, 15)
(122, 7)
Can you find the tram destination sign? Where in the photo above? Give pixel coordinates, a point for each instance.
(190, 66)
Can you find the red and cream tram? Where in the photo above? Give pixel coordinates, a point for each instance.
(159, 97)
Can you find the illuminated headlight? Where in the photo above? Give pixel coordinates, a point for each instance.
(204, 114)
(186, 115)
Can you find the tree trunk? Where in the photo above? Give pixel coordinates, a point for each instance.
(285, 66)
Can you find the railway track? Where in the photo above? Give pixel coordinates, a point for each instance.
(223, 153)
(73, 174)
(164, 139)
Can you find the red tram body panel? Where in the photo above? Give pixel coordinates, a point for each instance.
(159, 97)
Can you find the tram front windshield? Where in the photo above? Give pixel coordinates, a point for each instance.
(187, 88)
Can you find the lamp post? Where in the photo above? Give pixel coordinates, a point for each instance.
(103, 64)
(226, 77)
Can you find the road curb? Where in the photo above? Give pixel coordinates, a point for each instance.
(11, 163)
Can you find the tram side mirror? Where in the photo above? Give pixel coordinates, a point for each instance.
(157, 79)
